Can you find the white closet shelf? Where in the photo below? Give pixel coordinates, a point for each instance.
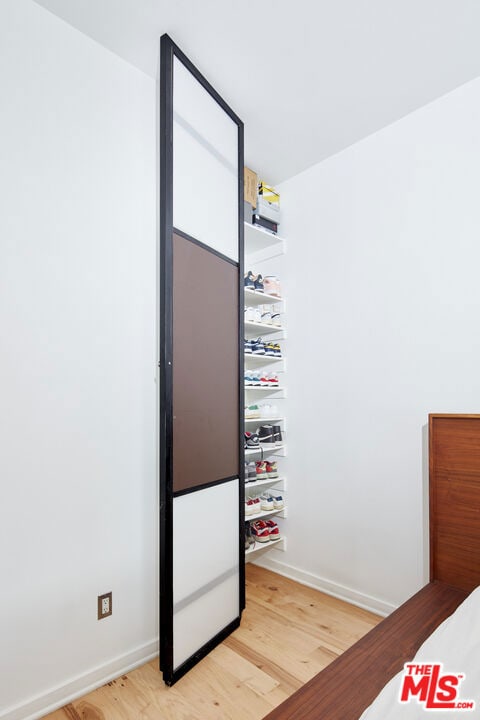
(263, 420)
(267, 481)
(263, 328)
(266, 513)
(263, 390)
(268, 449)
(264, 387)
(280, 544)
(254, 297)
(257, 238)
(252, 360)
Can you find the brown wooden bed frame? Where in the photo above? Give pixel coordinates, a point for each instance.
(350, 683)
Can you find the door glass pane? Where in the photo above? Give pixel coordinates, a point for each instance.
(205, 166)
(205, 566)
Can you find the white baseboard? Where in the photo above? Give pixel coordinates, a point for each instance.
(36, 707)
(73, 688)
(375, 605)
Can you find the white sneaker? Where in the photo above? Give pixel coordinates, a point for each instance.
(252, 411)
(267, 502)
(267, 314)
(271, 285)
(276, 317)
(249, 314)
(265, 410)
(268, 411)
(257, 315)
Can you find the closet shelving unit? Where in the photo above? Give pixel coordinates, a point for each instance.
(261, 248)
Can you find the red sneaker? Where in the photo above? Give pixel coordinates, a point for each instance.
(272, 469)
(273, 530)
(261, 470)
(261, 531)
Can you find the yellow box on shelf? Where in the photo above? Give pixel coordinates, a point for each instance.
(268, 193)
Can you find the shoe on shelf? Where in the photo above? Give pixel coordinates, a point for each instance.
(269, 349)
(278, 502)
(272, 380)
(256, 379)
(261, 531)
(252, 412)
(277, 350)
(265, 434)
(266, 314)
(272, 469)
(258, 347)
(269, 411)
(265, 410)
(269, 501)
(276, 318)
(271, 284)
(249, 473)
(261, 470)
(277, 435)
(249, 539)
(273, 530)
(247, 378)
(264, 380)
(249, 314)
(254, 505)
(251, 440)
(249, 280)
(258, 284)
(247, 346)
(249, 507)
(266, 502)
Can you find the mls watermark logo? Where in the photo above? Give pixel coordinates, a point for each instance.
(428, 684)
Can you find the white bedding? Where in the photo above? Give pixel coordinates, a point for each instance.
(455, 644)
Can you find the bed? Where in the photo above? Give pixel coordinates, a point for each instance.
(365, 681)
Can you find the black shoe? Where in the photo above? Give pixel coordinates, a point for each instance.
(277, 434)
(265, 434)
(251, 440)
(249, 539)
(259, 283)
(249, 280)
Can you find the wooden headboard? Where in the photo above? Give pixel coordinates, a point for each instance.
(454, 459)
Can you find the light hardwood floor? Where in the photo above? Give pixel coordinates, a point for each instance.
(288, 633)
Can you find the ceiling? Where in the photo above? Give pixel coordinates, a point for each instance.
(307, 77)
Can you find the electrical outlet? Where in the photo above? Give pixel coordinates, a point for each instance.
(104, 605)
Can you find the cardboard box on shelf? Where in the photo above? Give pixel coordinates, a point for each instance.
(250, 181)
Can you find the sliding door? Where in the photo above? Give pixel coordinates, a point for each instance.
(201, 369)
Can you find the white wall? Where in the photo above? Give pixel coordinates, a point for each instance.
(78, 500)
(383, 316)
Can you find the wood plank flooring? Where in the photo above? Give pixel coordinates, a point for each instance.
(288, 633)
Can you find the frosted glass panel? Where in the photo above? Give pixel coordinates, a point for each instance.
(205, 566)
(205, 166)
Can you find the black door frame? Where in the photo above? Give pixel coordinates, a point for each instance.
(168, 51)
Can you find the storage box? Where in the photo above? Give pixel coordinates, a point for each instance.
(264, 223)
(268, 210)
(268, 193)
(247, 212)
(250, 181)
